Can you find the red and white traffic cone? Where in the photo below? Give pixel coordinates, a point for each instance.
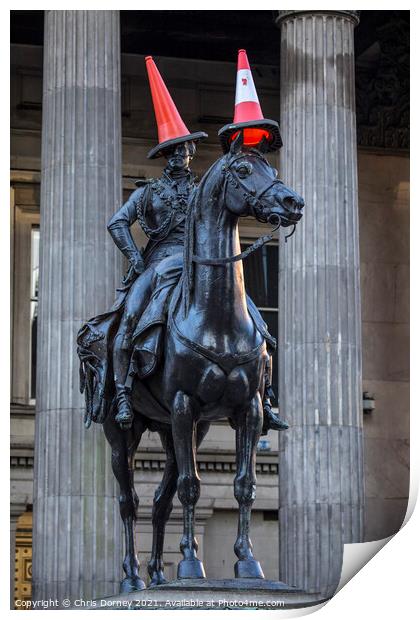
(248, 114)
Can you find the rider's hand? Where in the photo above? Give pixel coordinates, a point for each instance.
(138, 263)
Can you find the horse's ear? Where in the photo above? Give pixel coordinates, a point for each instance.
(263, 145)
(237, 143)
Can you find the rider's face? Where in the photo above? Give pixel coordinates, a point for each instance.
(180, 156)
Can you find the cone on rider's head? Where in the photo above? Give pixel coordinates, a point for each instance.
(171, 128)
(248, 114)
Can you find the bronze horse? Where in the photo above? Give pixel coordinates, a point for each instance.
(212, 365)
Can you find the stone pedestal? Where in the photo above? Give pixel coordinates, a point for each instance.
(321, 455)
(207, 594)
(77, 529)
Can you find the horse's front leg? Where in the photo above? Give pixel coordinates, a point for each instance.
(184, 437)
(162, 507)
(162, 504)
(249, 424)
(123, 446)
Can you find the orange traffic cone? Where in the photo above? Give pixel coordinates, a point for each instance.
(171, 128)
(248, 113)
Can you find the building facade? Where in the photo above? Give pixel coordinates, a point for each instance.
(56, 105)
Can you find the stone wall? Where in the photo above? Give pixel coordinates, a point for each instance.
(384, 251)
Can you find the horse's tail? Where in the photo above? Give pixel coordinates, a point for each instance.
(93, 372)
(89, 382)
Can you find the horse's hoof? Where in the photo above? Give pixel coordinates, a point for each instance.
(191, 569)
(248, 569)
(131, 584)
(157, 579)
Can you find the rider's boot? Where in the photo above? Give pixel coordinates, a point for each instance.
(125, 414)
(121, 359)
(270, 419)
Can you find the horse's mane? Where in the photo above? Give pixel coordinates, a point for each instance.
(197, 200)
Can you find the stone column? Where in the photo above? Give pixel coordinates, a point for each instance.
(77, 532)
(321, 455)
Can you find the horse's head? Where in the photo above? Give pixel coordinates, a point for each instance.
(252, 187)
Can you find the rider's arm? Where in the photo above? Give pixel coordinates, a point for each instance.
(119, 229)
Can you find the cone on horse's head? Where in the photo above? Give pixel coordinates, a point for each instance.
(248, 114)
(171, 128)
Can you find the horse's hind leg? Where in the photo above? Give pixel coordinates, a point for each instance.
(247, 435)
(162, 504)
(124, 445)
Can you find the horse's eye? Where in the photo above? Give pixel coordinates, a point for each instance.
(244, 170)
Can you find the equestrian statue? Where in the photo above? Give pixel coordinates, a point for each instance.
(164, 358)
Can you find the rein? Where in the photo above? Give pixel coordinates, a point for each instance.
(232, 259)
(253, 201)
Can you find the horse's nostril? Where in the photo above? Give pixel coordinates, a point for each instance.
(274, 219)
(290, 203)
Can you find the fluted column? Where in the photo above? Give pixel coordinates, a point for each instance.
(321, 455)
(77, 532)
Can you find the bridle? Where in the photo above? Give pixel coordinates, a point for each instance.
(251, 198)
(256, 205)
